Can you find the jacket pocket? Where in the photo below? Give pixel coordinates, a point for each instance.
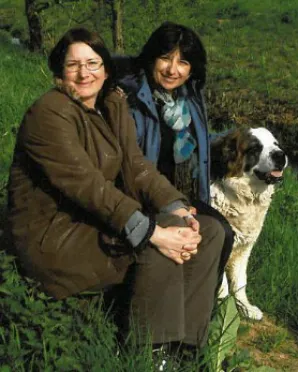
(58, 231)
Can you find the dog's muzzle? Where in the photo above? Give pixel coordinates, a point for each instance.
(279, 159)
(270, 178)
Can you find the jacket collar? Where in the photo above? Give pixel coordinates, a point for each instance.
(144, 94)
(67, 89)
(71, 93)
(137, 88)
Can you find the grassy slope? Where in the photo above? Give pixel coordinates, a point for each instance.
(274, 262)
(252, 61)
(251, 51)
(23, 78)
(251, 44)
(272, 283)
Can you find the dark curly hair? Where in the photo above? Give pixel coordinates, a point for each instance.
(167, 38)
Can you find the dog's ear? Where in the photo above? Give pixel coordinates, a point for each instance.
(226, 156)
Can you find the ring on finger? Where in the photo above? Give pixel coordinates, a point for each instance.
(185, 255)
(188, 217)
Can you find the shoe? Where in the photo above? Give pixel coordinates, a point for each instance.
(190, 358)
(164, 360)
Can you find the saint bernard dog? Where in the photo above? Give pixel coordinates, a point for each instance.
(245, 165)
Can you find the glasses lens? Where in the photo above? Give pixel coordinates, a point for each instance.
(90, 65)
(93, 65)
(72, 66)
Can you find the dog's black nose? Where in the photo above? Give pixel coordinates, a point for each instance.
(279, 158)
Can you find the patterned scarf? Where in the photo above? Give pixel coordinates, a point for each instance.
(176, 115)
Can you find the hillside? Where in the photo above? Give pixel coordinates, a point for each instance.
(252, 80)
(251, 49)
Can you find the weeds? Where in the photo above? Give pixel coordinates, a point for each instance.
(267, 341)
(252, 75)
(39, 333)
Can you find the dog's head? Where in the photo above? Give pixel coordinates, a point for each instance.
(252, 152)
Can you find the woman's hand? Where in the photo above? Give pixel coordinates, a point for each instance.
(176, 243)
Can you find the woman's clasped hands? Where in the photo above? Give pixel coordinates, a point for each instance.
(176, 243)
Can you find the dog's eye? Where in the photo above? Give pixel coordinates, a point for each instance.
(254, 148)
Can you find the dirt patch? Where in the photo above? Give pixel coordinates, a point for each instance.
(269, 344)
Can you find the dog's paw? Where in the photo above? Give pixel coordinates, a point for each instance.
(250, 311)
(223, 292)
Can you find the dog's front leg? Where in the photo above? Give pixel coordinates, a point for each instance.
(224, 288)
(237, 276)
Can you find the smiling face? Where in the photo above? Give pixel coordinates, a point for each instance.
(85, 82)
(170, 71)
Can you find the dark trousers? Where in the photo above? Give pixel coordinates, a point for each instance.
(174, 302)
(206, 209)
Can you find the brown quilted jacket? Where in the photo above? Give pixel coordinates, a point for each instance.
(75, 176)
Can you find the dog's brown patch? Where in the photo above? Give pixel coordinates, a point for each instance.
(227, 154)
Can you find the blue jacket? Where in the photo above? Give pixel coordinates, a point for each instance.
(147, 122)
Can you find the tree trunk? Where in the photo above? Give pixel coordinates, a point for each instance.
(117, 24)
(35, 27)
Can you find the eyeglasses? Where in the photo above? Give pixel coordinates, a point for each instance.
(75, 66)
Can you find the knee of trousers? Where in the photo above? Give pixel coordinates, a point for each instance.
(213, 234)
(229, 233)
(208, 210)
(228, 242)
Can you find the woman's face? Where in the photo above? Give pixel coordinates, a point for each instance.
(84, 71)
(171, 71)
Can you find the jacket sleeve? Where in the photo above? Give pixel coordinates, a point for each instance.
(51, 140)
(154, 187)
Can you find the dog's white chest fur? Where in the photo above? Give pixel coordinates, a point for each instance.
(244, 207)
(245, 210)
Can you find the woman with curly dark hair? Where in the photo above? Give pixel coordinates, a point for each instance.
(164, 87)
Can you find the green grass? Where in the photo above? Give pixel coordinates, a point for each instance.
(252, 80)
(273, 274)
(24, 77)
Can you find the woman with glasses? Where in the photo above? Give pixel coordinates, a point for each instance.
(85, 205)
